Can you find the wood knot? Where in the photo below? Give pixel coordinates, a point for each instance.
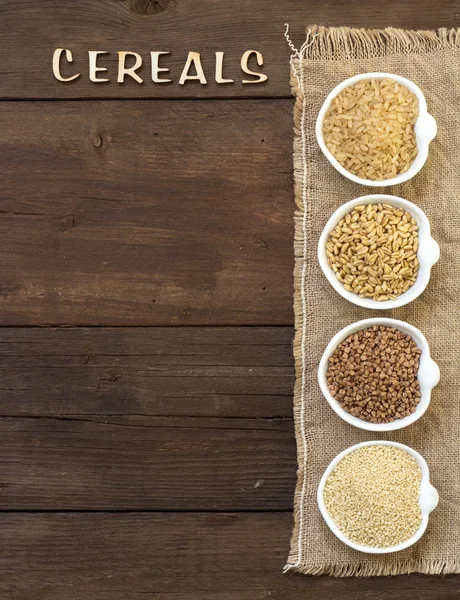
(111, 376)
(148, 7)
(97, 140)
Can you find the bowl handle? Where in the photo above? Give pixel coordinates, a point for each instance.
(427, 127)
(429, 498)
(433, 251)
(430, 374)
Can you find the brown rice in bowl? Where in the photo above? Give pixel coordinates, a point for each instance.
(369, 128)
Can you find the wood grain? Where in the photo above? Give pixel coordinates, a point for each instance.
(118, 213)
(175, 557)
(179, 26)
(146, 419)
(235, 373)
(146, 463)
(165, 213)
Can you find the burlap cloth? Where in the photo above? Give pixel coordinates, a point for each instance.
(432, 61)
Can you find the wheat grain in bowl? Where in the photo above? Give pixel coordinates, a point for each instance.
(369, 128)
(373, 251)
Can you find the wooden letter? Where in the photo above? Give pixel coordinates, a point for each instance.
(93, 68)
(131, 71)
(219, 69)
(155, 56)
(244, 67)
(56, 60)
(193, 57)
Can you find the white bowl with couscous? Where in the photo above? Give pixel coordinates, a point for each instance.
(427, 499)
(425, 129)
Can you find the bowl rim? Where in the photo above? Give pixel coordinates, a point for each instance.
(426, 488)
(423, 135)
(428, 374)
(421, 282)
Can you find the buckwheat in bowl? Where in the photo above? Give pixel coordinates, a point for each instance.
(375, 129)
(377, 374)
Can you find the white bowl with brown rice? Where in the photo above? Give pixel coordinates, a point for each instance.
(428, 374)
(427, 252)
(357, 494)
(363, 147)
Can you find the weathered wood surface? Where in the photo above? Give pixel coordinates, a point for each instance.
(146, 213)
(146, 419)
(236, 372)
(32, 30)
(199, 556)
(165, 213)
(146, 463)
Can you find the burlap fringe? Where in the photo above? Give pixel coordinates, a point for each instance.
(337, 43)
(404, 567)
(300, 320)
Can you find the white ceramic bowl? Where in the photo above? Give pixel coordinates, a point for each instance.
(427, 254)
(428, 499)
(425, 130)
(428, 374)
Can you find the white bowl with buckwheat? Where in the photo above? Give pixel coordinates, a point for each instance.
(428, 374)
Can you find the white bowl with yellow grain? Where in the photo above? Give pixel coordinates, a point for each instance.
(427, 252)
(359, 140)
(403, 521)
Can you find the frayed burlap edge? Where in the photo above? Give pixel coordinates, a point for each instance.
(337, 43)
(328, 44)
(403, 567)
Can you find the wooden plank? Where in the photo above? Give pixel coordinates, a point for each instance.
(146, 419)
(146, 463)
(175, 557)
(178, 26)
(235, 372)
(183, 214)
